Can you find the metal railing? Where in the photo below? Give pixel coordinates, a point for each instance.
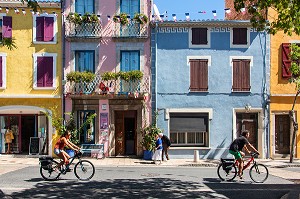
(85, 30)
(131, 30)
(111, 86)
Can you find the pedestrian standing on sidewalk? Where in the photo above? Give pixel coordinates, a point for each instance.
(158, 150)
(166, 143)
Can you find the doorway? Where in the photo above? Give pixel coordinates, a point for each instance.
(125, 140)
(28, 130)
(248, 121)
(282, 134)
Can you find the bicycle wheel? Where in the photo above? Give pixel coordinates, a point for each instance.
(228, 174)
(84, 170)
(259, 173)
(50, 173)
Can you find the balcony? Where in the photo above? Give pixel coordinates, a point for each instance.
(82, 31)
(130, 30)
(116, 87)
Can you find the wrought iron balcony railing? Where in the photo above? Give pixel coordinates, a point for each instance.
(131, 30)
(84, 30)
(97, 86)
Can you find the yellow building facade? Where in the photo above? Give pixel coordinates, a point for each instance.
(282, 95)
(31, 75)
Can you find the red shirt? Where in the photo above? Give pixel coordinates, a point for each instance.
(60, 144)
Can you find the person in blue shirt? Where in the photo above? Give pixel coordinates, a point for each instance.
(158, 150)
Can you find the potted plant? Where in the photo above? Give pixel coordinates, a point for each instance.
(140, 18)
(135, 75)
(124, 75)
(106, 76)
(148, 142)
(122, 19)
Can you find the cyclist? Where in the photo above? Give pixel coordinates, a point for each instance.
(59, 148)
(236, 148)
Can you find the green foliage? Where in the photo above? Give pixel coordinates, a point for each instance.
(9, 43)
(140, 18)
(122, 18)
(287, 19)
(62, 125)
(32, 4)
(149, 133)
(76, 76)
(295, 65)
(127, 76)
(85, 19)
(109, 76)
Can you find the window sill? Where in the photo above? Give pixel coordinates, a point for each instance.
(44, 42)
(188, 148)
(44, 88)
(239, 46)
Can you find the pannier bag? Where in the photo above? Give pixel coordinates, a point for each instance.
(46, 162)
(227, 164)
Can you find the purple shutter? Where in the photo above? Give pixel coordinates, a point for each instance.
(39, 29)
(7, 27)
(48, 61)
(40, 72)
(48, 29)
(1, 73)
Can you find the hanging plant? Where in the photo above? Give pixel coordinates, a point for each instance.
(87, 18)
(140, 18)
(135, 75)
(109, 76)
(122, 19)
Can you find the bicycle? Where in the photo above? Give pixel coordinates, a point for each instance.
(83, 170)
(227, 169)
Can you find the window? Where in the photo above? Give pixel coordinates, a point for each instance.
(130, 7)
(87, 133)
(199, 38)
(198, 74)
(239, 38)
(241, 75)
(189, 129)
(44, 70)
(130, 60)
(2, 70)
(5, 26)
(44, 29)
(85, 61)
(84, 6)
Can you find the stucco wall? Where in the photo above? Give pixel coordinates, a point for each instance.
(173, 79)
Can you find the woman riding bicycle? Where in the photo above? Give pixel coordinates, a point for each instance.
(236, 148)
(60, 145)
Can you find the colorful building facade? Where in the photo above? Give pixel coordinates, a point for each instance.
(211, 83)
(113, 43)
(30, 75)
(282, 96)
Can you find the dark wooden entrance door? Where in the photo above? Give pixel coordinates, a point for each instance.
(248, 121)
(282, 134)
(125, 139)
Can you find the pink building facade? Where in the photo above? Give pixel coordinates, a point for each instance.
(108, 37)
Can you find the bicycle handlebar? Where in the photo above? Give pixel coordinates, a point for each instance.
(254, 154)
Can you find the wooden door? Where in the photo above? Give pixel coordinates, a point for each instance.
(119, 138)
(250, 125)
(282, 134)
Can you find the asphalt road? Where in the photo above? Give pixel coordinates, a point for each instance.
(140, 182)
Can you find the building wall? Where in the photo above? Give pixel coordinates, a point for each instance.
(282, 92)
(19, 96)
(173, 75)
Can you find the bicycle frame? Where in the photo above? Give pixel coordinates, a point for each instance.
(250, 160)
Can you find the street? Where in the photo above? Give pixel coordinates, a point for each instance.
(139, 182)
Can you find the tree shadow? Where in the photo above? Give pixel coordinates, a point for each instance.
(116, 188)
(239, 189)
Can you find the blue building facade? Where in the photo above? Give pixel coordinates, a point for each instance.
(210, 81)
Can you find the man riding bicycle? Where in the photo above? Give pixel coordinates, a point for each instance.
(237, 146)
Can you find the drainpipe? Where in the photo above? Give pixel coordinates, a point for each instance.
(63, 59)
